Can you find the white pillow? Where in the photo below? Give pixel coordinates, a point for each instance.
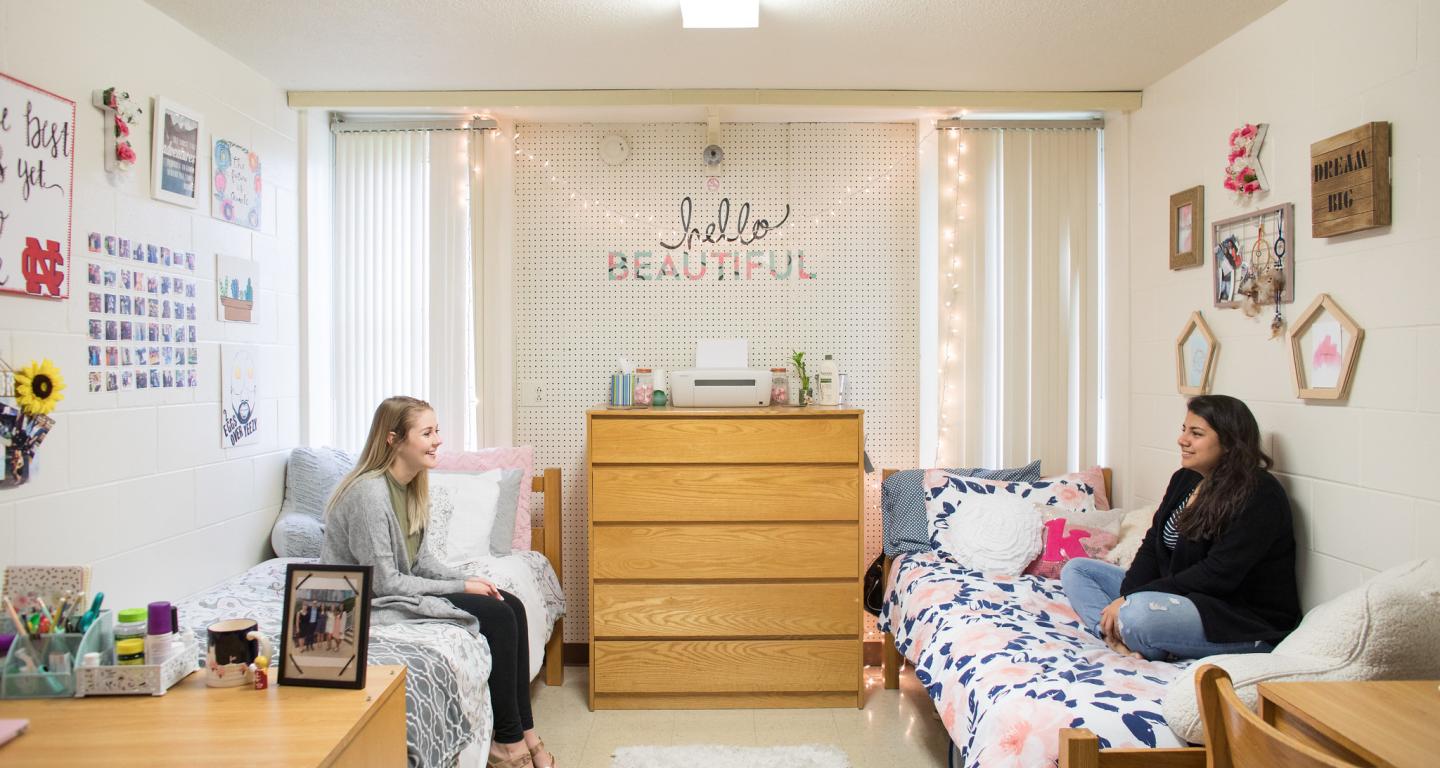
(474, 496)
(1133, 528)
(982, 526)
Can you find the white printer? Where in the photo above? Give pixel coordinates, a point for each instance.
(721, 378)
(720, 388)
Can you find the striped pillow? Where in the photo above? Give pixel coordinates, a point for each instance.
(902, 503)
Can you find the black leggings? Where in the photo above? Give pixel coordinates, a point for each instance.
(502, 622)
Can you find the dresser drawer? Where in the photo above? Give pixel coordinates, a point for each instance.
(726, 610)
(759, 440)
(723, 551)
(732, 493)
(723, 666)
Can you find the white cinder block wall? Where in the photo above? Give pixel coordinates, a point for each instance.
(135, 484)
(1360, 474)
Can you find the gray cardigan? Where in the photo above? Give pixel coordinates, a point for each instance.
(361, 529)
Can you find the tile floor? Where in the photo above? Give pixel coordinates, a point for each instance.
(896, 729)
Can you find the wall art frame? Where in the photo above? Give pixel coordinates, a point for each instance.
(1196, 352)
(1245, 248)
(1187, 228)
(1324, 349)
(177, 139)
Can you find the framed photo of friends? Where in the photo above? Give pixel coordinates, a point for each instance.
(326, 625)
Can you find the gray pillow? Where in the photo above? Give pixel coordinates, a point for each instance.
(311, 475)
(505, 510)
(902, 503)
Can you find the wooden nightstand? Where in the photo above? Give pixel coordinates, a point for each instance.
(194, 725)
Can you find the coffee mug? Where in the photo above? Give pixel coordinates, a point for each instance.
(230, 648)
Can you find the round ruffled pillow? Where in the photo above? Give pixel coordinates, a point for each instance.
(983, 527)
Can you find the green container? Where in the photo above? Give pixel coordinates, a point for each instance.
(20, 681)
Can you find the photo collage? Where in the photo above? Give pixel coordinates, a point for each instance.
(142, 326)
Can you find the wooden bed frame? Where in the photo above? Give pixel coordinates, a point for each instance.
(546, 540)
(890, 656)
(1080, 748)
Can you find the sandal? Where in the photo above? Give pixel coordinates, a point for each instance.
(538, 750)
(522, 761)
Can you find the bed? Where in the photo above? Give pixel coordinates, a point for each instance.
(447, 708)
(1008, 664)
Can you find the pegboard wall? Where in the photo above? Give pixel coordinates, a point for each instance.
(584, 228)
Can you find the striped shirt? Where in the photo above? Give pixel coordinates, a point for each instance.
(1170, 534)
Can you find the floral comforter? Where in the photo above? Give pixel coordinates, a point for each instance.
(447, 701)
(1008, 664)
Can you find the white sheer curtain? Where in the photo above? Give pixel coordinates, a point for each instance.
(1018, 299)
(402, 301)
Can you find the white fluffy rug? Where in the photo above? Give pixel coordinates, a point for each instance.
(719, 756)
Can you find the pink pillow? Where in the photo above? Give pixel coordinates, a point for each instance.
(1093, 477)
(1068, 536)
(484, 460)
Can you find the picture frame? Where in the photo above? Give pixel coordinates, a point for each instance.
(1187, 228)
(325, 625)
(177, 149)
(1196, 351)
(1324, 348)
(1245, 249)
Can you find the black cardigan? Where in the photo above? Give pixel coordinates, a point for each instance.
(1242, 581)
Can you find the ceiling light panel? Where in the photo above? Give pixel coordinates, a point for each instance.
(720, 14)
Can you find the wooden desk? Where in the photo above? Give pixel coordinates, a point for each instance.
(194, 725)
(1377, 723)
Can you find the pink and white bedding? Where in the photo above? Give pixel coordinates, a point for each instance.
(1008, 664)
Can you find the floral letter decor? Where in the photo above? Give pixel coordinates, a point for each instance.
(121, 113)
(36, 388)
(1243, 174)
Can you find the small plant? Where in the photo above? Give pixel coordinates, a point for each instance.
(805, 393)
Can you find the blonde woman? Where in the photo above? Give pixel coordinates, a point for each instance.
(378, 516)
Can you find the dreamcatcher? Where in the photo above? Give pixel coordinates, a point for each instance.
(1261, 279)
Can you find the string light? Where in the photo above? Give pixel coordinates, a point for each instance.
(626, 218)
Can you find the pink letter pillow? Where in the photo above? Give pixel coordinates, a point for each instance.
(987, 526)
(484, 460)
(1074, 526)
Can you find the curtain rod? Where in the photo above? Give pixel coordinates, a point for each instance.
(341, 125)
(1035, 124)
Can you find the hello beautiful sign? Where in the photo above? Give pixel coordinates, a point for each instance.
(722, 250)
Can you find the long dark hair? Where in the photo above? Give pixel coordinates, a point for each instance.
(1242, 464)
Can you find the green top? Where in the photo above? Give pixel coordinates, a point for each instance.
(402, 514)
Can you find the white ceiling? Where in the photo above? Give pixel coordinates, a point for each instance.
(987, 45)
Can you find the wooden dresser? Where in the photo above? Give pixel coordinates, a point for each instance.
(725, 557)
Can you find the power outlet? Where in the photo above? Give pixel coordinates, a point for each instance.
(532, 393)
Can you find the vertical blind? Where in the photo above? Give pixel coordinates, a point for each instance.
(401, 293)
(1019, 297)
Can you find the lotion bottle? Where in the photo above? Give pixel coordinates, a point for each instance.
(829, 381)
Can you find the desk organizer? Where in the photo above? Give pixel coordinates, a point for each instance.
(23, 677)
(154, 679)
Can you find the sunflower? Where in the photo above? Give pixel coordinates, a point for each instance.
(37, 388)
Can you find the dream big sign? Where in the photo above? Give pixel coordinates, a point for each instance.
(1350, 181)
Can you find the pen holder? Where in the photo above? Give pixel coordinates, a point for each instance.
(29, 673)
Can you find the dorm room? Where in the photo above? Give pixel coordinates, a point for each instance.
(827, 385)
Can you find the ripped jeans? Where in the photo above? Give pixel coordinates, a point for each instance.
(1157, 625)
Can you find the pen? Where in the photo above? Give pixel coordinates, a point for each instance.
(14, 617)
(44, 612)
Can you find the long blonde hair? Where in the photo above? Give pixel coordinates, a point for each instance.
(397, 415)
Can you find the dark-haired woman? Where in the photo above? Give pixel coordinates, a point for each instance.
(1216, 572)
